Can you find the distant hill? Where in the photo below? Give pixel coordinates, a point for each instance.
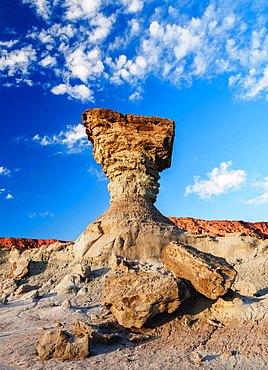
(221, 228)
(27, 243)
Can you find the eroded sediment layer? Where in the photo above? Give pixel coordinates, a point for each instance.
(132, 151)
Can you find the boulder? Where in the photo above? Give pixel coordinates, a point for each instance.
(210, 275)
(95, 332)
(82, 269)
(134, 298)
(61, 344)
(32, 295)
(24, 288)
(68, 284)
(8, 286)
(19, 267)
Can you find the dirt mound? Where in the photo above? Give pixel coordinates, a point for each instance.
(221, 228)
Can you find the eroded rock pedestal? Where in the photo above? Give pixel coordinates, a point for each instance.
(132, 151)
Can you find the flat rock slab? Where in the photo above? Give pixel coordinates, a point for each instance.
(134, 298)
(210, 275)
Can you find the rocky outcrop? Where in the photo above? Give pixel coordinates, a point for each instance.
(19, 267)
(132, 151)
(82, 269)
(68, 284)
(247, 253)
(211, 276)
(61, 344)
(26, 243)
(221, 228)
(134, 298)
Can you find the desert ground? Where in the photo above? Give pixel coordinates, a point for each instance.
(230, 332)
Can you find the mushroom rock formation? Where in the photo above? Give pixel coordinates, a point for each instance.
(132, 151)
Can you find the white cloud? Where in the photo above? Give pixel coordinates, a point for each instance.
(137, 95)
(263, 198)
(133, 6)
(4, 171)
(74, 139)
(41, 214)
(134, 27)
(76, 9)
(221, 180)
(48, 61)
(97, 173)
(89, 39)
(102, 27)
(17, 60)
(85, 65)
(80, 92)
(42, 7)
(8, 44)
(8, 196)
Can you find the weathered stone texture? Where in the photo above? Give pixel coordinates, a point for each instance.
(211, 276)
(19, 267)
(95, 333)
(82, 269)
(134, 298)
(8, 286)
(61, 344)
(132, 151)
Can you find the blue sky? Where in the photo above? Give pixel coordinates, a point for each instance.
(202, 63)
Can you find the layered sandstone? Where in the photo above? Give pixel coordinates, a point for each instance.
(210, 275)
(221, 228)
(132, 151)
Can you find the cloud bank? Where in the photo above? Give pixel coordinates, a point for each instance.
(80, 47)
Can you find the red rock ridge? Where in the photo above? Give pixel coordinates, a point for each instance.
(213, 228)
(26, 243)
(221, 228)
